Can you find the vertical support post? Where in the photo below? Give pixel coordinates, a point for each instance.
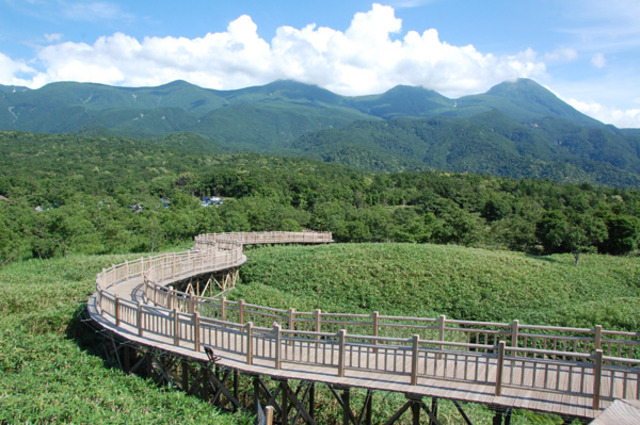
(196, 331)
(268, 415)
(249, 343)
(501, 350)
(185, 375)
(117, 310)
(346, 406)
(256, 394)
(170, 298)
(375, 318)
(515, 329)
(278, 337)
(434, 410)
(284, 405)
(415, 410)
(597, 379)
(223, 307)
(176, 327)
(341, 351)
(312, 400)
(415, 355)
(126, 270)
(369, 407)
(241, 312)
(598, 337)
(236, 386)
(139, 318)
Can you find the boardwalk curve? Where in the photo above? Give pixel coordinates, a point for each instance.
(568, 371)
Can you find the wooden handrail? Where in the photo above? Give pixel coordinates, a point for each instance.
(176, 312)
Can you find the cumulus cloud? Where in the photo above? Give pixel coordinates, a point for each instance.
(622, 118)
(10, 71)
(371, 56)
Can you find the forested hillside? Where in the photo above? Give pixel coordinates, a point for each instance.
(516, 129)
(69, 194)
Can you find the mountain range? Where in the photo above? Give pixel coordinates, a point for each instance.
(517, 128)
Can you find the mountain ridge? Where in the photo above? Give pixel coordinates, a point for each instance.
(517, 128)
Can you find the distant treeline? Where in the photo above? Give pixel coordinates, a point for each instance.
(67, 194)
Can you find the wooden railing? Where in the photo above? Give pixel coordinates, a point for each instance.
(596, 363)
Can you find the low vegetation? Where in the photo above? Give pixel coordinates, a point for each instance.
(462, 283)
(49, 373)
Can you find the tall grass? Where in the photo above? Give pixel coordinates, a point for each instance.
(48, 374)
(462, 283)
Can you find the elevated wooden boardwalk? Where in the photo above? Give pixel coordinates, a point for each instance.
(568, 371)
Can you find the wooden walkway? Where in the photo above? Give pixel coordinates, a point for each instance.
(567, 371)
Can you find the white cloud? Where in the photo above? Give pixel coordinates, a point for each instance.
(621, 118)
(53, 38)
(563, 54)
(10, 71)
(361, 60)
(598, 60)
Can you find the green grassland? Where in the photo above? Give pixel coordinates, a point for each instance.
(462, 283)
(49, 372)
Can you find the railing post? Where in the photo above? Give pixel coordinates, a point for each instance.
(598, 337)
(170, 298)
(176, 327)
(501, 350)
(196, 331)
(597, 378)
(291, 325)
(441, 324)
(223, 307)
(515, 329)
(139, 314)
(241, 312)
(278, 337)
(375, 318)
(318, 323)
(249, 343)
(192, 304)
(117, 310)
(126, 269)
(292, 314)
(415, 356)
(341, 351)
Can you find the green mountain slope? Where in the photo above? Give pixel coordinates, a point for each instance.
(517, 128)
(489, 143)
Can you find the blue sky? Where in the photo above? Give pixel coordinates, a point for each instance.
(585, 51)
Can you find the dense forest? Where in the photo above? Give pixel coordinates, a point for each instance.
(65, 194)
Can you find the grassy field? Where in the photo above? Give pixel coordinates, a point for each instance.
(49, 373)
(462, 283)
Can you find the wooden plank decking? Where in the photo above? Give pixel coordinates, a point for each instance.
(438, 360)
